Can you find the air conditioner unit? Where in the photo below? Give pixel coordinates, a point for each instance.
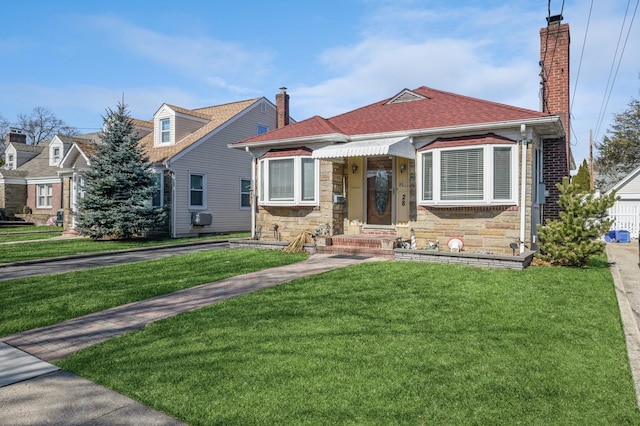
(201, 218)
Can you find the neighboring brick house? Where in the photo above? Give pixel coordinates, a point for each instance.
(436, 163)
(31, 176)
(203, 185)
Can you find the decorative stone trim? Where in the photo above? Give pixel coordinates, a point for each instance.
(491, 207)
(474, 259)
(518, 262)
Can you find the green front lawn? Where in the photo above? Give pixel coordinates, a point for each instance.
(44, 249)
(387, 343)
(27, 233)
(33, 302)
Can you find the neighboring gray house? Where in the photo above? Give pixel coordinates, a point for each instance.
(626, 211)
(204, 186)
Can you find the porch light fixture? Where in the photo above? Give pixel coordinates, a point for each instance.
(354, 168)
(403, 167)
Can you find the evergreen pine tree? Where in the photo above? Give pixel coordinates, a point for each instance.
(583, 178)
(120, 185)
(575, 238)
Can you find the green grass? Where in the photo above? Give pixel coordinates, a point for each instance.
(45, 249)
(387, 343)
(35, 228)
(28, 233)
(29, 303)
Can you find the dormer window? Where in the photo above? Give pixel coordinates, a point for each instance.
(56, 155)
(55, 152)
(10, 161)
(165, 130)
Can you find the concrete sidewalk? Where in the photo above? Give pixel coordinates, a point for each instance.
(625, 269)
(40, 396)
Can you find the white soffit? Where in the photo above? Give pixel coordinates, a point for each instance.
(400, 147)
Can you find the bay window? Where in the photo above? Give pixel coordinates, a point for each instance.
(289, 180)
(470, 175)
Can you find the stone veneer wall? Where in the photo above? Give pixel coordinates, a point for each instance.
(292, 220)
(13, 197)
(66, 202)
(483, 229)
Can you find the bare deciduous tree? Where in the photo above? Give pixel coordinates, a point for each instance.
(42, 125)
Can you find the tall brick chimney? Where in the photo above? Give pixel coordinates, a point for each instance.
(554, 98)
(282, 108)
(554, 73)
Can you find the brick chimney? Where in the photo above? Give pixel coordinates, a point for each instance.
(282, 108)
(554, 98)
(554, 74)
(16, 136)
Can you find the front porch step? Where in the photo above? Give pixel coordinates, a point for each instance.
(355, 251)
(379, 232)
(371, 245)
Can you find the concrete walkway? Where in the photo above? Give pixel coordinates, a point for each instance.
(37, 396)
(625, 269)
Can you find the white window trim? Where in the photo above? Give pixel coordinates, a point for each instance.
(10, 161)
(161, 132)
(204, 191)
(53, 161)
(241, 193)
(47, 198)
(297, 182)
(487, 177)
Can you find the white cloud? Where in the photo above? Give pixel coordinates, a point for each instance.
(377, 68)
(208, 59)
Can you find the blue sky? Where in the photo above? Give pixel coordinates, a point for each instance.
(79, 58)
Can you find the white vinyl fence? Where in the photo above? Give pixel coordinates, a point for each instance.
(626, 217)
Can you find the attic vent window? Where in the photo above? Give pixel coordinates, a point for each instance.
(406, 96)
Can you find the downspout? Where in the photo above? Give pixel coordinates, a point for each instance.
(523, 186)
(253, 193)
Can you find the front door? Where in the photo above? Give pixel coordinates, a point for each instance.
(379, 191)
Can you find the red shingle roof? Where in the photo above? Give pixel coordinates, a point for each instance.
(431, 109)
